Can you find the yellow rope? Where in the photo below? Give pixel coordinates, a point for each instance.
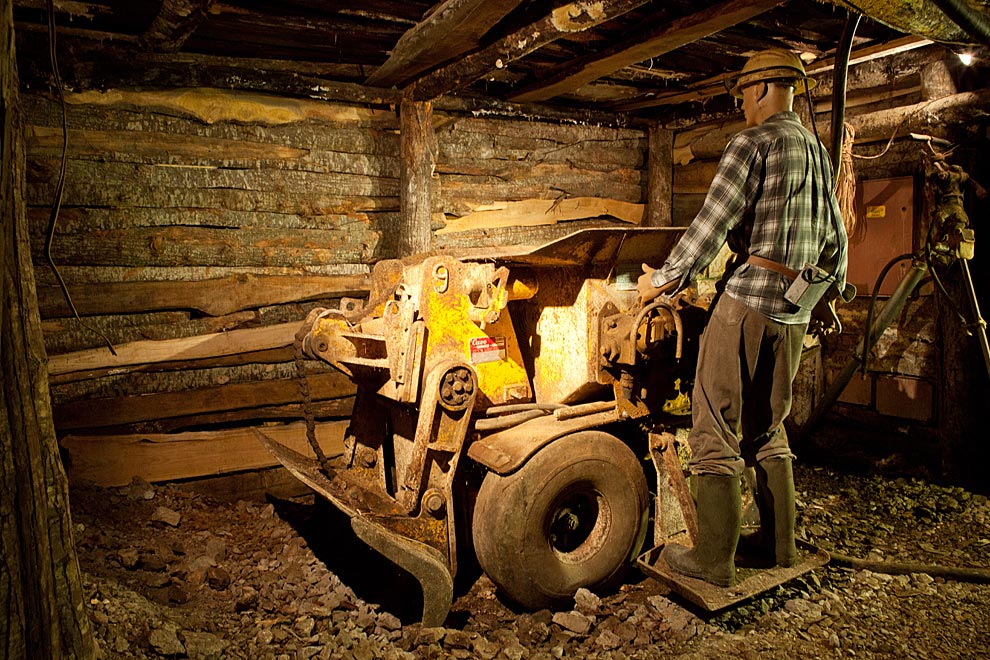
(845, 189)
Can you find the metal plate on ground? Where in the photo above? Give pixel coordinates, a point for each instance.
(752, 581)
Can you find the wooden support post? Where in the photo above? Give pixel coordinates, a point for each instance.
(40, 580)
(418, 162)
(660, 179)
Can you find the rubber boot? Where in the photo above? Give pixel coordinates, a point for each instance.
(774, 543)
(719, 521)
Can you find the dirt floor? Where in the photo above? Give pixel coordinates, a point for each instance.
(169, 573)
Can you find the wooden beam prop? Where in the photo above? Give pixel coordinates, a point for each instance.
(872, 52)
(202, 246)
(264, 357)
(565, 20)
(40, 579)
(212, 106)
(454, 28)
(216, 297)
(533, 212)
(116, 460)
(176, 21)
(660, 178)
(46, 142)
(571, 75)
(168, 350)
(117, 411)
(418, 156)
(68, 8)
(327, 409)
(98, 36)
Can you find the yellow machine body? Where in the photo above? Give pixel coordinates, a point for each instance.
(493, 356)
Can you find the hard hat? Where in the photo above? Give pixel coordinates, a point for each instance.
(769, 65)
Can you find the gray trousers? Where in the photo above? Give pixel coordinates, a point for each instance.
(742, 389)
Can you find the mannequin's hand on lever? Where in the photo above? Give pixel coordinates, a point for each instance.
(644, 286)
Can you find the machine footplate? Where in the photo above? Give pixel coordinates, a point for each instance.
(751, 581)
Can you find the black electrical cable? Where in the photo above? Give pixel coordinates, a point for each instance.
(60, 183)
(868, 335)
(839, 77)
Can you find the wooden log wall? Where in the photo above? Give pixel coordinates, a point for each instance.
(196, 231)
(526, 182)
(198, 227)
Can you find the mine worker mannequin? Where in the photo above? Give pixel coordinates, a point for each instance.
(767, 85)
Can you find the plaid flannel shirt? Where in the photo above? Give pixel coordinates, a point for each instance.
(772, 197)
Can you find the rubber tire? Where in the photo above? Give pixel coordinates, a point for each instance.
(512, 516)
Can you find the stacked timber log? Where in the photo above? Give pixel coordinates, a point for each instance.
(199, 227)
(522, 182)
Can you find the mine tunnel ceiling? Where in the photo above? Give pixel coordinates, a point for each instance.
(648, 58)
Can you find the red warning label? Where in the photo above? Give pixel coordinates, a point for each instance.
(487, 349)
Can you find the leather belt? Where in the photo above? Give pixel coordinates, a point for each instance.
(789, 273)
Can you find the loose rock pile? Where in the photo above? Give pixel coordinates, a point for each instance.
(170, 574)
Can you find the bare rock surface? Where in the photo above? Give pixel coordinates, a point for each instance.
(170, 574)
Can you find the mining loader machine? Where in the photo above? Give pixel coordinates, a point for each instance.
(509, 403)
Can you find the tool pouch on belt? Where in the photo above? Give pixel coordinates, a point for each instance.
(808, 285)
(811, 288)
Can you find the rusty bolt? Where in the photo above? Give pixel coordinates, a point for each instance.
(434, 503)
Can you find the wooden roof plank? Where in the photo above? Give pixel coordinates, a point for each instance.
(174, 24)
(566, 20)
(714, 85)
(572, 75)
(453, 29)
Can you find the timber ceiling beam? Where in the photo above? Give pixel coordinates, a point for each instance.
(716, 85)
(568, 19)
(174, 24)
(671, 36)
(69, 8)
(453, 29)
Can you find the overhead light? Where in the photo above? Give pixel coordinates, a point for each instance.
(965, 58)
